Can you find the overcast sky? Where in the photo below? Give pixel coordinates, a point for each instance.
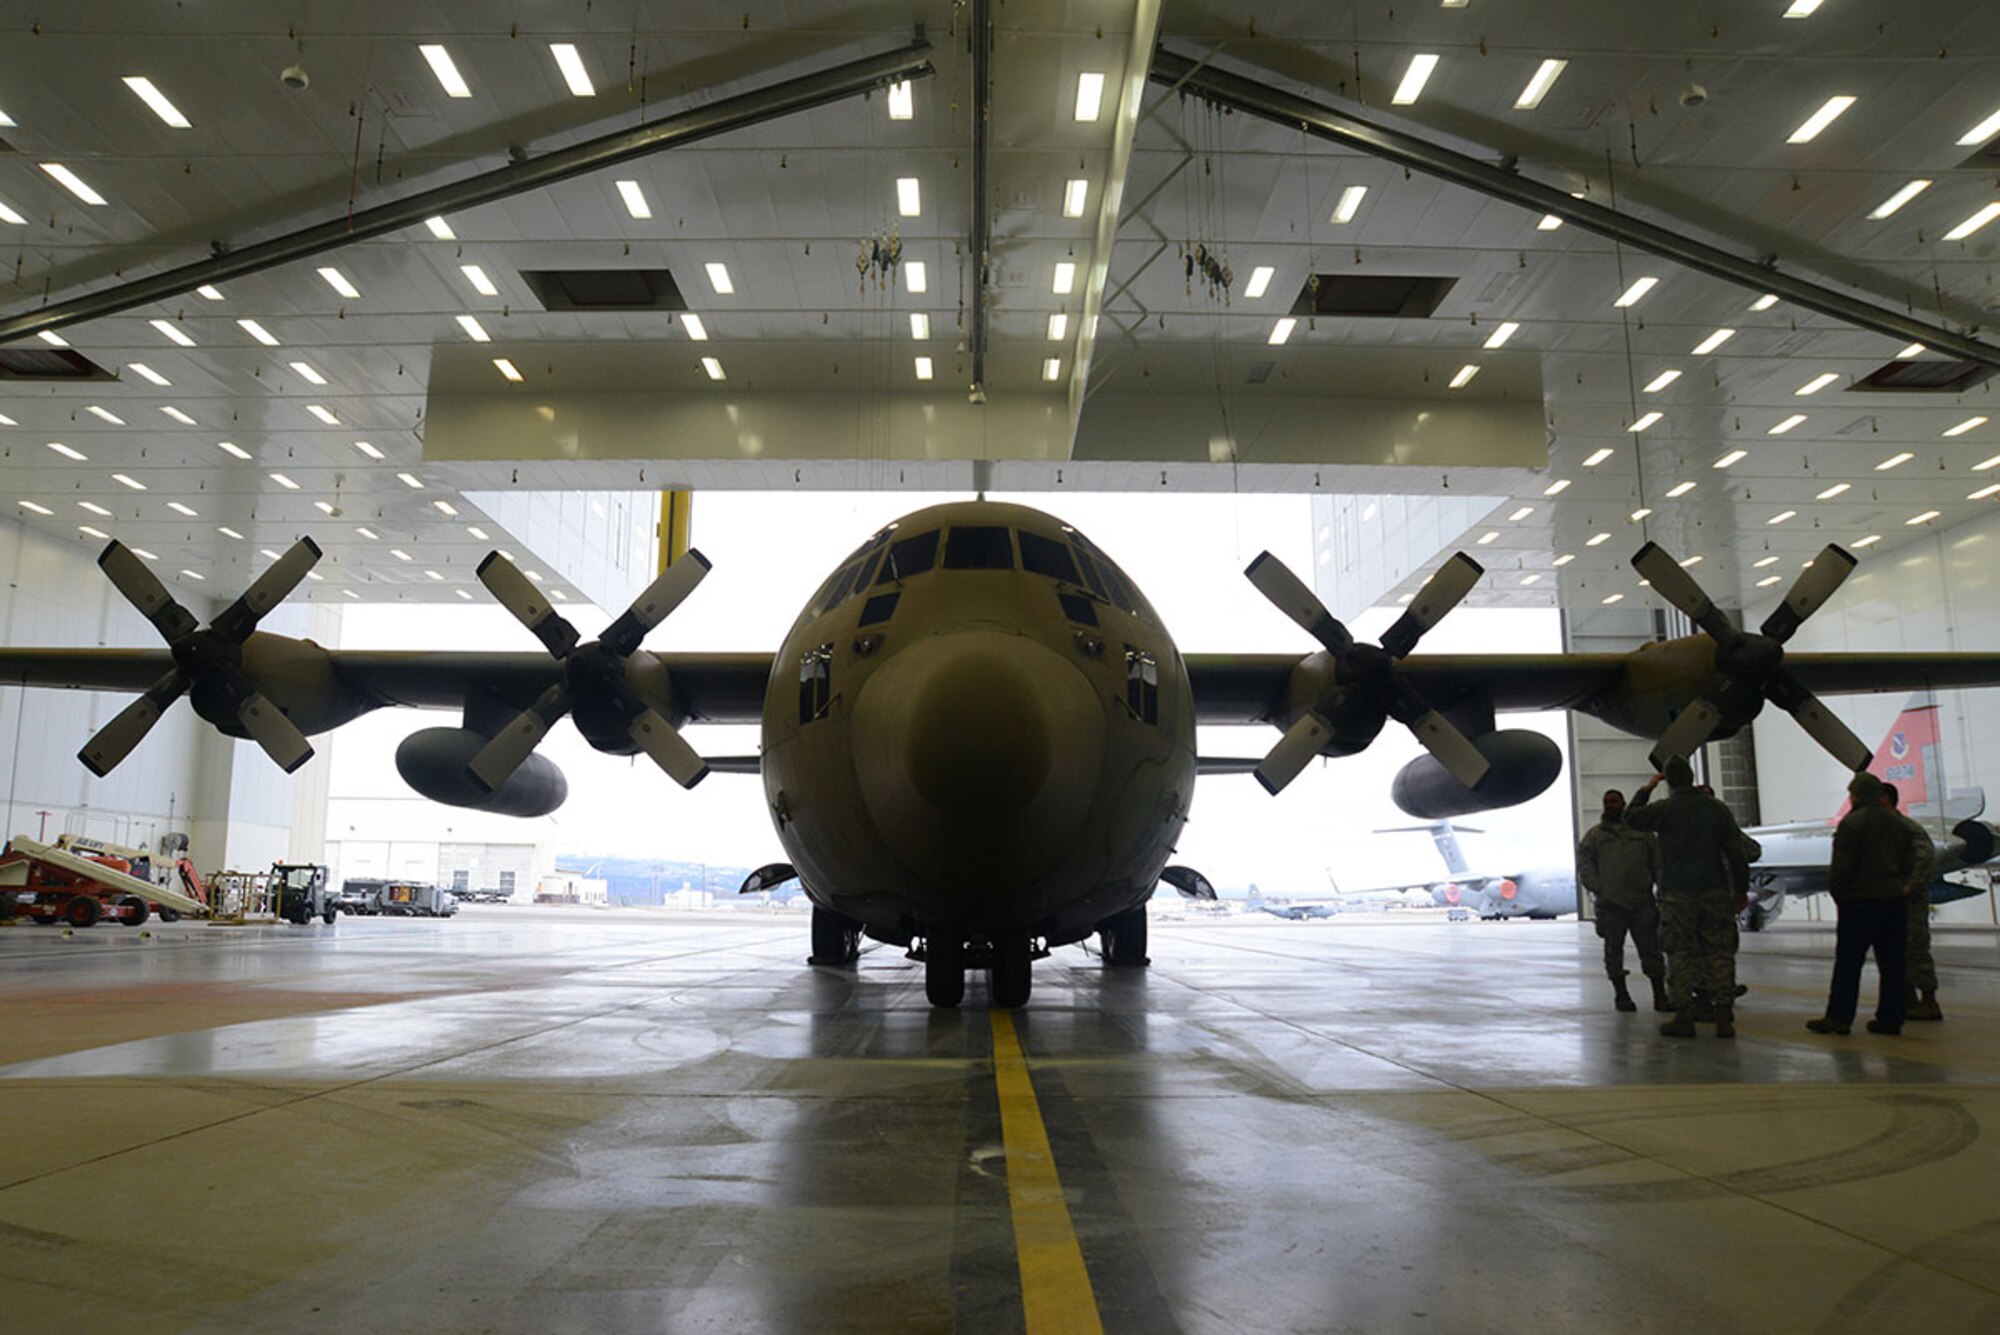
(1186, 551)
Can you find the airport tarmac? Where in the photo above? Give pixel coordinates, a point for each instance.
(534, 1120)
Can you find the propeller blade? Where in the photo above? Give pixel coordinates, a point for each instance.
(653, 606)
(518, 595)
(115, 740)
(1685, 734)
(1440, 593)
(1810, 591)
(1293, 752)
(1820, 723)
(266, 592)
(1673, 583)
(142, 588)
(278, 735)
(669, 750)
(499, 758)
(1452, 749)
(1299, 603)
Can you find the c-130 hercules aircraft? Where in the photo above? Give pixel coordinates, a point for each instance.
(978, 737)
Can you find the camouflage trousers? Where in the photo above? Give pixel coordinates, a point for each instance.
(1698, 936)
(1923, 969)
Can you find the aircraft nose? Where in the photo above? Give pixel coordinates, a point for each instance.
(978, 754)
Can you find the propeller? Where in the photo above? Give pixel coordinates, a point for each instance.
(593, 674)
(1749, 666)
(1368, 674)
(208, 662)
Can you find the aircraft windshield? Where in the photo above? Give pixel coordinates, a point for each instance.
(979, 547)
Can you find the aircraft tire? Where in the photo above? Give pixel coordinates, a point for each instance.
(836, 939)
(1012, 975)
(1124, 938)
(944, 970)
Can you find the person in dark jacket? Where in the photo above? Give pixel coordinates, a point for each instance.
(1618, 865)
(1869, 877)
(1702, 870)
(1922, 1002)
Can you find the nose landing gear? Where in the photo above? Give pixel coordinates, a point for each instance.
(1008, 961)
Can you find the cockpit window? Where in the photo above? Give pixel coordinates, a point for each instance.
(840, 588)
(866, 573)
(1090, 575)
(909, 556)
(1043, 556)
(979, 547)
(879, 608)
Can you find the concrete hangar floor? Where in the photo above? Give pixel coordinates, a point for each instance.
(542, 1120)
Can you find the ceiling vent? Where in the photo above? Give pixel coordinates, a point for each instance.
(49, 364)
(1925, 377)
(605, 289)
(1377, 296)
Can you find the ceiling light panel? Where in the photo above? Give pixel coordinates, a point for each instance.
(1281, 332)
(73, 183)
(1837, 489)
(307, 373)
(1089, 96)
(147, 373)
(916, 277)
(1679, 489)
(507, 369)
(1646, 421)
(1969, 424)
(1816, 384)
(440, 229)
(920, 326)
(1058, 327)
(1661, 381)
(1894, 461)
(1974, 223)
(924, 368)
(713, 367)
(1981, 132)
(1713, 341)
(635, 200)
(1498, 338)
(446, 70)
(902, 101)
(410, 480)
(1765, 302)
(337, 280)
(1464, 376)
(156, 100)
(367, 449)
(256, 331)
(1733, 457)
(1350, 204)
(1813, 125)
(178, 415)
(1635, 293)
(1796, 419)
(172, 332)
(1544, 78)
(1421, 67)
(696, 330)
(324, 414)
(1897, 200)
(719, 279)
(1076, 194)
(1597, 456)
(1065, 278)
(473, 329)
(570, 61)
(909, 197)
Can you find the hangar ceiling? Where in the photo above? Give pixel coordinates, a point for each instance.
(788, 205)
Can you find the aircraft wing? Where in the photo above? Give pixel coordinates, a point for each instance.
(85, 669)
(1859, 674)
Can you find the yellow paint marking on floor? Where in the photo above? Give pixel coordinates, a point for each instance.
(1055, 1286)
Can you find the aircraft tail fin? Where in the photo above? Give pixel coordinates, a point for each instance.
(1908, 757)
(1445, 835)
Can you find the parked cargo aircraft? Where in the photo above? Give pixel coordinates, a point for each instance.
(978, 737)
(1536, 892)
(1796, 855)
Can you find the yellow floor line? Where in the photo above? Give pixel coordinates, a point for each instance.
(1055, 1286)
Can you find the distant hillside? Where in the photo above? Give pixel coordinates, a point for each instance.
(639, 881)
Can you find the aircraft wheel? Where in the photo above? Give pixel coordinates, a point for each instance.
(836, 939)
(1012, 975)
(1124, 937)
(138, 911)
(944, 970)
(82, 911)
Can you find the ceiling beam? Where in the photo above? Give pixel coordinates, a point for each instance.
(697, 123)
(1418, 154)
(982, 224)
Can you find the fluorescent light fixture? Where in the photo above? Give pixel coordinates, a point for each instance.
(1549, 223)
(1782, 516)
(284, 482)
(1632, 295)
(399, 553)
(1923, 518)
(1058, 327)
(480, 282)
(146, 372)
(1641, 513)
(94, 508)
(1488, 536)
(172, 332)
(1977, 468)
(447, 73)
(307, 373)
(1598, 540)
(258, 332)
(924, 371)
(337, 280)
(463, 594)
(6, 121)
(1894, 461)
(1557, 487)
(718, 278)
(1538, 87)
(194, 575)
(909, 197)
(7, 421)
(1769, 580)
(177, 415)
(1981, 132)
(1713, 341)
(1065, 280)
(1526, 580)
(72, 183)
(1816, 384)
(1766, 561)
(445, 508)
(1597, 456)
(713, 367)
(1974, 223)
(1661, 381)
(696, 330)
(635, 199)
(440, 229)
(916, 277)
(53, 339)
(1868, 541)
(1691, 561)
(1781, 428)
(1520, 514)
(410, 480)
(1089, 96)
(1819, 120)
(902, 101)
(1910, 353)
(349, 593)
(38, 509)
(1498, 338)
(920, 326)
(1984, 492)
(1765, 302)
(1837, 489)
(433, 574)
(1464, 376)
(369, 534)
(8, 215)
(573, 72)
(1564, 559)
(1648, 420)
(1350, 204)
(1076, 194)
(1051, 368)
(1614, 598)
(473, 329)
(1414, 79)
(367, 449)
(209, 292)
(157, 100)
(507, 369)
(534, 575)
(1678, 490)
(324, 507)
(1969, 424)
(105, 414)
(1897, 200)
(1733, 457)
(90, 532)
(1282, 331)
(1801, 8)
(320, 411)
(476, 531)
(232, 449)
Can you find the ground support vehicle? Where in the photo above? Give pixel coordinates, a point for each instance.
(363, 898)
(415, 899)
(301, 891)
(49, 884)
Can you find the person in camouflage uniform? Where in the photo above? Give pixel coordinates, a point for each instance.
(1702, 871)
(1923, 1002)
(1618, 866)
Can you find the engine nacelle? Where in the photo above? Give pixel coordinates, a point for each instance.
(433, 762)
(1523, 764)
